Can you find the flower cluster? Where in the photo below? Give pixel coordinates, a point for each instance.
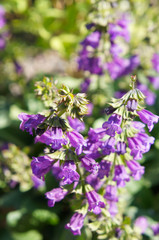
(94, 167)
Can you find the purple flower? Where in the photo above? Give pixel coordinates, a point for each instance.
(2, 17)
(150, 96)
(104, 169)
(92, 40)
(55, 195)
(30, 122)
(120, 67)
(68, 173)
(76, 223)
(92, 149)
(76, 124)
(108, 146)
(155, 229)
(121, 148)
(140, 144)
(119, 29)
(85, 85)
(155, 62)
(154, 81)
(136, 169)
(112, 125)
(90, 164)
(56, 169)
(132, 105)
(113, 210)
(37, 182)
(96, 134)
(148, 118)
(94, 202)
(91, 64)
(111, 193)
(115, 50)
(53, 137)
(76, 140)
(120, 176)
(94, 181)
(141, 223)
(41, 165)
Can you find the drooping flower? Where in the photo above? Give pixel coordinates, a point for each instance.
(90, 164)
(120, 175)
(76, 140)
(68, 173)
(104, 169)
(76, 124)
(30, 122)
(94, 202)
(108, 146)
(76, 223)
(113, 209)
(94, 181)
(92, 40)
(136, 169)
(111, 193)
(150, 96)
(141, 223)
(53, 137)
(154, 81)
(37, 182)
(132, 105)
(113, 125)
(55, 195)
(148, 118)
(155, 229)
(41, 165)
(121, 148)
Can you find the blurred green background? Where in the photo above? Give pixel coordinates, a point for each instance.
(42, 38)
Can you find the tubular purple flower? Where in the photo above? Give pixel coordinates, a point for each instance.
(94, 202)
(94, 181)
(104, 169)
(53, 137)
(30, 122)
(38, 183)
(92, 40)
(90, 164)
(77, 141)
(112, 125)
(120, 176)
(132, 105)
(141, 223)
(111, 193)
(108, 146)
(68, 173)
(41, 165)
(96, 134)
(76, 124)
(121, 148)
(136, 169)
(154, 81)
(55, 195)
(150, 96)
(76, 223)
(155, 229)
(148, 118)
(113, 210)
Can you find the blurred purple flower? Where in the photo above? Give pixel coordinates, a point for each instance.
(76, 223)
(76, 124)
(94, 202)
(55, 195)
